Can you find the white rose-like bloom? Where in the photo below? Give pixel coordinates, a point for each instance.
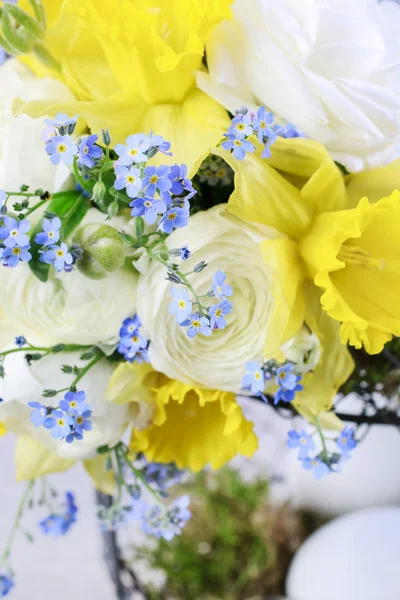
(69, 308)
(23, 159)
(24, 383)
(218, 362)
(330, 67)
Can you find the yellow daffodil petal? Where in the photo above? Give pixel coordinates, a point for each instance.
(286, 290)
(103, 478)
(34, 460)
(193, 127)
(354, 257)
(374, 184)
(262, 195)
(195, 427)
(333, 369)
(309, 166)
(3, 429)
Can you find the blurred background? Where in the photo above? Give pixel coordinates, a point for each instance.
(249, 521)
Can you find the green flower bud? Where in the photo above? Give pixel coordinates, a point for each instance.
(103, 250)
(99, 191)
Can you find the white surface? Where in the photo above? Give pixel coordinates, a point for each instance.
(354, 557)
(68, 567)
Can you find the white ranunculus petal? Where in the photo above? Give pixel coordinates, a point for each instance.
(329, 67)
(218, 362)
(24, 383)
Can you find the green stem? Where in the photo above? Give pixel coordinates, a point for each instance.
(123, 451)
(81, 180)
(28, 348)
(321, 435)
(17, 522)
(23, 194)
(183, 278)
(83, 371)
(38, 205)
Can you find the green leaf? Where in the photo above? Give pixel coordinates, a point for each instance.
(71, 207)
(139, 224)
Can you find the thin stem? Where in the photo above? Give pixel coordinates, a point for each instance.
(38, 205)
(23, 194)
(28, 348)
(17, 522)
(83, 371)
(122, 449)
(183, 278)
(321, 435)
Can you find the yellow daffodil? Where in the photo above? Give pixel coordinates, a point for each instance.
(131, 65)
(191, 427)
(343, 242)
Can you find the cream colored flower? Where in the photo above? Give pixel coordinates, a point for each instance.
(24, 383)
(226, 243)
(330, 67)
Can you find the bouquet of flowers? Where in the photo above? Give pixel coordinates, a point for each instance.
(199, 201)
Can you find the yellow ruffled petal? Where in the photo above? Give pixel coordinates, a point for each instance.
(287, 276)
(309, 166)
(193, 127)
(103, 478)
(262, 195)
(354, 257)
(374, 184)
(195, 427)
(34, 460)
(3, 429)
(334, 367)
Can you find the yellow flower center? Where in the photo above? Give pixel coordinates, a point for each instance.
(218, 312)
(147, 204)
(181, 304)
(60, 253)
(16, 251)
(61, 148)
(60, 422)
(51, 234)
(196, 323)
(131, 179)
(172, 216)
(79, 420)
(240, 127)
(153, 179)
(73, 404)
(237, 143)
(355, 255)
(133, 152)
(135, 339)
(14, 232)
(86, 150)
(263, 124)
(257, 375)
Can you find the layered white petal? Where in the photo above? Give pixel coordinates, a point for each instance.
(216, 362)
(24, 383)
(330, 67)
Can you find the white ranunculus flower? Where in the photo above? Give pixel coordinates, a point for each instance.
(23, 159)
(226, 243)
(330, 67)
(23, 384)
(69, 308)
(304, 350)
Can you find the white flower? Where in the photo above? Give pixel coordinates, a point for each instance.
(23, 384)
(330, 67)
(218, 362)
(69, 307)
(23, 159)
(304, 350)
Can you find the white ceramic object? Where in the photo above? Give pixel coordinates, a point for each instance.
(370, 478)
(354, 557)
